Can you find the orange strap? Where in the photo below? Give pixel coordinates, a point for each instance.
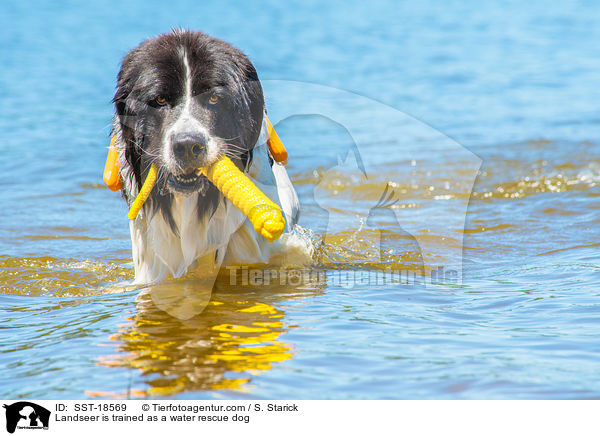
(276, 147)
(112, 175)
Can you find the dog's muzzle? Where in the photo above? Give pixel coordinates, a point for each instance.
(189, 151)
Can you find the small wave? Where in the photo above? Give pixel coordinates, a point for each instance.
(520, 172)
(49, 276)
(509, 172)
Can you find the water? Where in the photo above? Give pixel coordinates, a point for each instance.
(514, 86)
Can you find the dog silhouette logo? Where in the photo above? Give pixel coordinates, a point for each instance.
(26, 415)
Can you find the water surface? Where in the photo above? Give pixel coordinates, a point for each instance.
(513, 87)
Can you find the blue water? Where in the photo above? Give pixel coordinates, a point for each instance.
(512, 86)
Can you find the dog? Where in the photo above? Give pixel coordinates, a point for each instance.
(183, 100)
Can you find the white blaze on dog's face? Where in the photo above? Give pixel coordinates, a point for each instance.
(187, 143)
(183, 100)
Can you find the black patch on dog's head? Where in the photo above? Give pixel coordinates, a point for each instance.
(156, 70)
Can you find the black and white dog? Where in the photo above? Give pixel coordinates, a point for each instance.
(184, 99)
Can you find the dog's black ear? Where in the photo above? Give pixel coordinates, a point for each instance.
(256, 102)
(127, 119)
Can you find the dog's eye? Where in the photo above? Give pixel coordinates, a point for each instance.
(213, 99)
(160, 100)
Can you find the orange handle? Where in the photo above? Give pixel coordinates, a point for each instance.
(276, 147)
(112, 176)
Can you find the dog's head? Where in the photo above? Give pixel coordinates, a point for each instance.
(183, 99)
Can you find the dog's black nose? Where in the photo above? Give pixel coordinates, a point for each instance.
(188, 147)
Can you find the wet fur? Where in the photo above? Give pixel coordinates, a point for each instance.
(154, 68)
(176, 232)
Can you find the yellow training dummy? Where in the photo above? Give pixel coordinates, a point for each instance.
(265, 216)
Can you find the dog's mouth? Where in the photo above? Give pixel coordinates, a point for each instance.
(187, 182)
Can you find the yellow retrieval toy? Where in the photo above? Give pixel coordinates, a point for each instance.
(265, 216)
